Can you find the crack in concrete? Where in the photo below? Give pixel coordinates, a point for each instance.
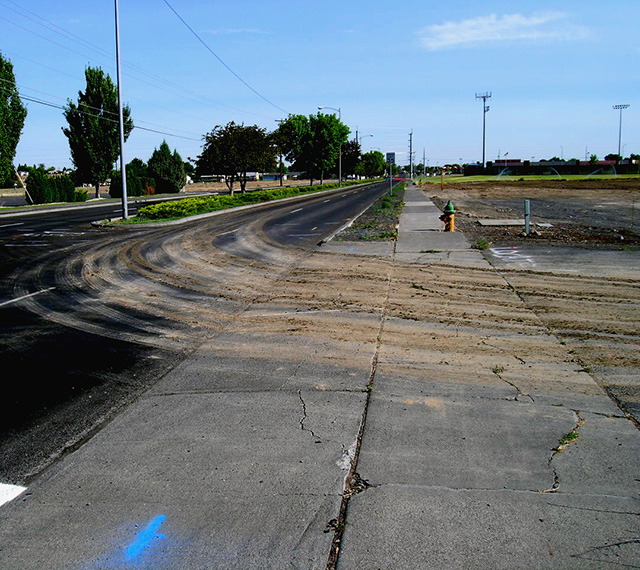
(304, 417)
(562, 444)
(520, 396)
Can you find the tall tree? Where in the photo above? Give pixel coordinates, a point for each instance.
(312, 144)
(351, 154)
(372, 164)
(234, 150)
(167, 169)
(12, 116)
(93, 131)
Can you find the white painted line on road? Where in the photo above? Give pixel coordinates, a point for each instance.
(11, 225)
(298, 210)
(10, 492)
(26, 245)
(326, 201)
(26, 296)
(227, 233)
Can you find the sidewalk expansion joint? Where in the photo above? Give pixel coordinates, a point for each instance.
(353, 482)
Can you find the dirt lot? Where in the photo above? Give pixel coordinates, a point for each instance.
(587, 212)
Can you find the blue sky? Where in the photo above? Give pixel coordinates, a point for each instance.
(555, 69)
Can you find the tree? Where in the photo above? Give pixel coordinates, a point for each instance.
(351, 155)
(167, 169)
(93, 131)
(613, 156)
(234, 150)
(373, 164)
(12, 116)
(312, 144)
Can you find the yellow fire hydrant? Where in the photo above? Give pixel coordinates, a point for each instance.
(449, 217)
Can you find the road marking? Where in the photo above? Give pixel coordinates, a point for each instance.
(26, 296)
(9, 492)
(294, 211)
(227, 233)
(14, 224)
(145, 537)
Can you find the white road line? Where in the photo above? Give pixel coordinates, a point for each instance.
(294, 211)
(9, 492)
(26, 296)
(11, 225)
(227, 233)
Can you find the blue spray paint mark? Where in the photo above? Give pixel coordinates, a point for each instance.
(145, 537)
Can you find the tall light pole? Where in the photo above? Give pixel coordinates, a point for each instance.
(485, 110)
(340, 149)
(125, 212)
(620, 108)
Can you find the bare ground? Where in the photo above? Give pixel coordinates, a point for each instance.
(587, 212)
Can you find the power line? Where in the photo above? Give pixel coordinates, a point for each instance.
(220, 60)
(104, 118)
(175, 89)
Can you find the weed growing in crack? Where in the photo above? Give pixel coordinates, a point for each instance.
(569, 438)
(497, 370)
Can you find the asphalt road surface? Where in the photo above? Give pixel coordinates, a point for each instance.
(74, 359)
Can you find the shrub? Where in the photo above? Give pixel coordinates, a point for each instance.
(45, 189)
(136, 186)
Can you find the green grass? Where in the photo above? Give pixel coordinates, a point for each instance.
(481, 244)
(512, 177)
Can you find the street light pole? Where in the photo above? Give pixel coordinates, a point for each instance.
(620, 108)
(340, 149)
(485, 110)
(125, 212)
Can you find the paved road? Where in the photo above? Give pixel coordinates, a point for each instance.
(410, 413)
(90, 356)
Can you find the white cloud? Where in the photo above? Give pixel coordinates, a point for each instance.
(510, 27)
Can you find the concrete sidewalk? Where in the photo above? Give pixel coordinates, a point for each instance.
(238, 457)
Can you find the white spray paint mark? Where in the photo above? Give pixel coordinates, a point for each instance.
(10, 492)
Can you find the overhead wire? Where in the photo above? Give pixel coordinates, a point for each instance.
(170, 87)
(220, 59)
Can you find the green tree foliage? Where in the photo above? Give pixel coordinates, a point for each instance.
(139, 183)
(372, 164)
(93, 131)
(12, 116)
(351, 155)
(234, 150)
(312, 144)
(167, 169)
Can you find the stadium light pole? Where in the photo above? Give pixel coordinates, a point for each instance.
(125, 212)
(620, 108)
(485, 110)
(340, 149)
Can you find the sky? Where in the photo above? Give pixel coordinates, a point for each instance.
(402, 71)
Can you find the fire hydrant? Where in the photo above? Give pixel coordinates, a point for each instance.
(449, 217)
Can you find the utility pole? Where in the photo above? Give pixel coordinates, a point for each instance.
(620, 108)
(485, 110)
(411, 154)
(125, 212)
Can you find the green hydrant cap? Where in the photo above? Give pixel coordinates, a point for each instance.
(449, 209)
